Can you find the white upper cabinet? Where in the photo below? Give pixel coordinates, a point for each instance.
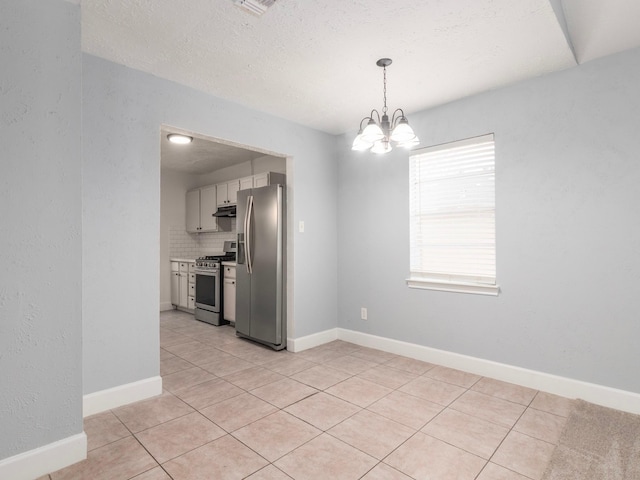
(246, 183)
(193, 211)
(232, 191)
(201, 205)
(268, 178)
(227, 193)
(261, 180)
(203, 202)
(208, 206)
(221, 194)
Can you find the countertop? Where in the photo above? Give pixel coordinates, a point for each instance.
(228, 264)
(184, 260)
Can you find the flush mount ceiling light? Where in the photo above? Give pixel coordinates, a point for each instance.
(257, 7)
(378, 133)
(179, 139)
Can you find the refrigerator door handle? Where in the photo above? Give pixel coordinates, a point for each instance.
(241, 253)
(247, 230)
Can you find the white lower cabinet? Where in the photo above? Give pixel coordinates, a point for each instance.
(184, 290)
(175, 283)
(191, 301)
(229, 293)
(183, 285)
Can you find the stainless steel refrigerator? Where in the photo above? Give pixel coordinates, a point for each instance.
(260, 276)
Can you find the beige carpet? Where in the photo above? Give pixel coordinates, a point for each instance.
(597, 443)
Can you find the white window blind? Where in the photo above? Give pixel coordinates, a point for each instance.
(452, 215)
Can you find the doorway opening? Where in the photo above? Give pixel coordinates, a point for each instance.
(208, 161)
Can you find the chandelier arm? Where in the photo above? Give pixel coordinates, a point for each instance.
(395, 119)
(361, 121)
(377, 114)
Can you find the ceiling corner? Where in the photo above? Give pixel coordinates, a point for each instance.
(558, 10)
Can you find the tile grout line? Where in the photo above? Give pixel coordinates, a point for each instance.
(505, 437)
(322, 358)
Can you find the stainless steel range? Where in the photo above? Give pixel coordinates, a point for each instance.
(209, 285)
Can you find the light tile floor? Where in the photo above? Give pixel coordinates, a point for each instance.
(232, 409)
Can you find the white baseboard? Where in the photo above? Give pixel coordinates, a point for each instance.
(563, 386)
(313, 340)
(104, 400)
(164, 306)
(49, 458)
(566, 387)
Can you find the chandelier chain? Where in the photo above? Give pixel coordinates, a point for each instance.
(384, 76)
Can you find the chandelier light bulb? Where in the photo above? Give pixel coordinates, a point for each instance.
(402, 132)
(372, 132)
(360, 143)
(381, 146)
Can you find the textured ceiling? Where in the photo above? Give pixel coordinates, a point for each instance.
(599, 28)
(313, 62)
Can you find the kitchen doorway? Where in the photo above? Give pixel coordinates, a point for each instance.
(207, 161)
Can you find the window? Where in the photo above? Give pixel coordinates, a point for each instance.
(452, 217)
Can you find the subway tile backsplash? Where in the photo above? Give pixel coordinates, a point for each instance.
(194, 245)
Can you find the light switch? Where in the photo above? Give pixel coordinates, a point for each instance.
(301, 226)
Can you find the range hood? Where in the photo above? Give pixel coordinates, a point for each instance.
(228, 211)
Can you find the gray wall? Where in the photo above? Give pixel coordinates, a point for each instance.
(568, 229)
(40, 185)
(123, 110)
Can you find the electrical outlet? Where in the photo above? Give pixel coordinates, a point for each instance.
(363, 313)
(301, 226)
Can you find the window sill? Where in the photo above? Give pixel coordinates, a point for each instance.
(457, 287)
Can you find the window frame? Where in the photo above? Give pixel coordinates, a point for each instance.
(452, 282)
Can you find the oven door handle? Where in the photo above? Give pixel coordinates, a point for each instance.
(208, 273)
(247, 229)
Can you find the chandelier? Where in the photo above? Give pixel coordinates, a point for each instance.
(379, 132)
